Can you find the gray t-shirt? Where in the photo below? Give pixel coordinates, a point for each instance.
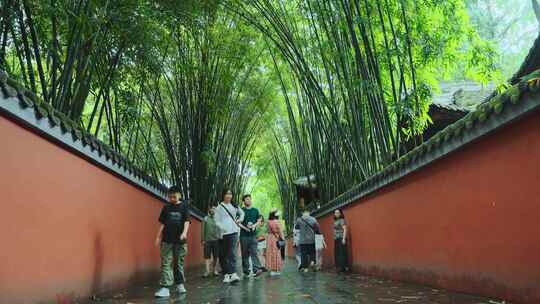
(307, 226)
(338, 228)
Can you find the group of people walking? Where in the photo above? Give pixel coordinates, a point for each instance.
(309, 242)
(229, 227)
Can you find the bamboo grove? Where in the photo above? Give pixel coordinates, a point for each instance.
(190, 90)
(206, 108)
(170, 85)
(356, 76)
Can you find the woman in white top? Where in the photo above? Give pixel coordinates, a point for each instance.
(228, 217)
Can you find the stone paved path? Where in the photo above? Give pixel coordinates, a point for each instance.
(293, 287)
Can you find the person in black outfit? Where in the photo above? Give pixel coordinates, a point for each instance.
(341, 250)
(171, 238)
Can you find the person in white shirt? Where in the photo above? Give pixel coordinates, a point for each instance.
(296, 245)
(228, 218)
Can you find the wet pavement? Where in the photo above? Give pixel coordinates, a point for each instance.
(295, 287)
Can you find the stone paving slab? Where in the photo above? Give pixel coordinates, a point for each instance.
(293, 287)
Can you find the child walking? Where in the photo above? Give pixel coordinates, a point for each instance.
(296, 245)
(171, 238)
(261, 245)
(320, 245)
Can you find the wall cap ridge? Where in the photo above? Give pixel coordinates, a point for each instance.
(497, 112)
(25, 108)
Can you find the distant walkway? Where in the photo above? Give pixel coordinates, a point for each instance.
(294, 287)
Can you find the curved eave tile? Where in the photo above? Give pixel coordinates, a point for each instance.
(26, 109)
(499, 111)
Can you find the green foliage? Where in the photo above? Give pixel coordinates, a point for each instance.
(509, 26)
(357, 78)
(249, 94)
(208, 101)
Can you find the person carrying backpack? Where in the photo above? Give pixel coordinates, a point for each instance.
(308, 227)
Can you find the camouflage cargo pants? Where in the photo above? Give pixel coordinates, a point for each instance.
(168, 252)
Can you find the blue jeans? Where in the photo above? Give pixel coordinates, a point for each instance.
(228, 248)
(249, 250)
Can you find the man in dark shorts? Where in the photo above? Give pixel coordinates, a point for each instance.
(210, 239)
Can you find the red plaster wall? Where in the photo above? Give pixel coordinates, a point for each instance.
(469, 222)
(290, 250)
(69, 228)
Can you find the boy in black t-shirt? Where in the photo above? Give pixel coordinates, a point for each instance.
(172, 236)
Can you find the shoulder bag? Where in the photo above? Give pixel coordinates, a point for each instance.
(232, 217)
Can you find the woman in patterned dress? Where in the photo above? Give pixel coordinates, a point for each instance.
(274, 263)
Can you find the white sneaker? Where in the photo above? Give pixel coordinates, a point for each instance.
(227, 279)
(163, 293)
(216, 273)
(181, 289)
(234, 278)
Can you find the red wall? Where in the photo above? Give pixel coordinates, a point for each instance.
(70, 228)
(469, 222)
(290, 251)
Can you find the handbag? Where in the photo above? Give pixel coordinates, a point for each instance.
(280, 243)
